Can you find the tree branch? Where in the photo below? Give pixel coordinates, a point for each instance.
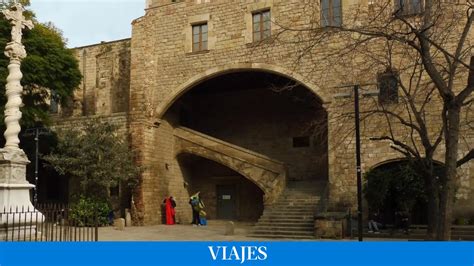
(469, 156)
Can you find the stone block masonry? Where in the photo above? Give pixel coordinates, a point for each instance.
(145, 83)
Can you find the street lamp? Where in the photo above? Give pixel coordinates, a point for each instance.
(36, 131)
(358, 161)
(356, 88)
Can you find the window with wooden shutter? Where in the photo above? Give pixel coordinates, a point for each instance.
(331, 13)
(409, 7)
(200, 37)
(261, 23)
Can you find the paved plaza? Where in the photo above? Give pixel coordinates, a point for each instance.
(214, 231)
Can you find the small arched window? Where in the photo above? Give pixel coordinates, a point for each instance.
(388, 87)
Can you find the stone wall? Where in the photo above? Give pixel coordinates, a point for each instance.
(137, 82)
(118, 119)
(163, 69)
(105, 86)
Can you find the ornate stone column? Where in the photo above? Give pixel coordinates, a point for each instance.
(14, 189)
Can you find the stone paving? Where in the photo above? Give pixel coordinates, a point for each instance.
(212, 232)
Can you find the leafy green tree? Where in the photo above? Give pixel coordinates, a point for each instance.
(49, 69)
(95, 157)
(399, 183)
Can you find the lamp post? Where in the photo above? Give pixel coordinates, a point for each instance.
(356, 88)
(358, 162)
(36, 132)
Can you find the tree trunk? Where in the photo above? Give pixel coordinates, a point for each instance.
(449, 180)
(432, 208)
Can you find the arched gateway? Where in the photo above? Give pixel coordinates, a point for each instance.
(235, 68)
(247, 132)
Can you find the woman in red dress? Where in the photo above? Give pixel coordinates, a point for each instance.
(170, 204)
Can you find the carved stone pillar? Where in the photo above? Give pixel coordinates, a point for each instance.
(14, 189)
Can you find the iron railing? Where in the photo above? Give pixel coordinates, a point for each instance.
(49, 222)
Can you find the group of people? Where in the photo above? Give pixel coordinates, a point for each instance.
(401, 222)
(197, 206)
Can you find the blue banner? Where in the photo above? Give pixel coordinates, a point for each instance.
(238, 253)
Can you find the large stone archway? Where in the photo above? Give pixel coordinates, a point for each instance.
(180, 90)
(233, 117)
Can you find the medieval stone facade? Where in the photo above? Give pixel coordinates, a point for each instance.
(224, 120)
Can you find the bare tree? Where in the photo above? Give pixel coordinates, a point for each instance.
(425, 46)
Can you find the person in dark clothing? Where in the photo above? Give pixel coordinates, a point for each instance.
(197, 205)
(402, 221)
(374, 223)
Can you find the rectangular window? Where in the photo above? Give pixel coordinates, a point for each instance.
(388, 87)
(200, 37)
(331, 13)
(409, 7)
(261, 23)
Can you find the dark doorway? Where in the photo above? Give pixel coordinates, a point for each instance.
(226, 202)
(244, 200)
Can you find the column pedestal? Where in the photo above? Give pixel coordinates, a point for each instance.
(16, 208)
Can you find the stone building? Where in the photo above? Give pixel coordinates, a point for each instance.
(210, 107)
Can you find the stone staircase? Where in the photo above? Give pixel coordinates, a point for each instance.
(268, 173)
(292, 215)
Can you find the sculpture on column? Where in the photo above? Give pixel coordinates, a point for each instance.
(16, 52)
(14, 188)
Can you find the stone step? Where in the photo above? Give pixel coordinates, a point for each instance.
(288, 214)
(295, 216)
(295, 203)
(289, 210)
(284, 228)
(282, 232)
(286, 224)
(288, 207)
(293, 236)
(302, 190)
(287, 220)
(292, 215)
(297, 195)
(318, 185)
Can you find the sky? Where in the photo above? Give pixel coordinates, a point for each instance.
(85, 22)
